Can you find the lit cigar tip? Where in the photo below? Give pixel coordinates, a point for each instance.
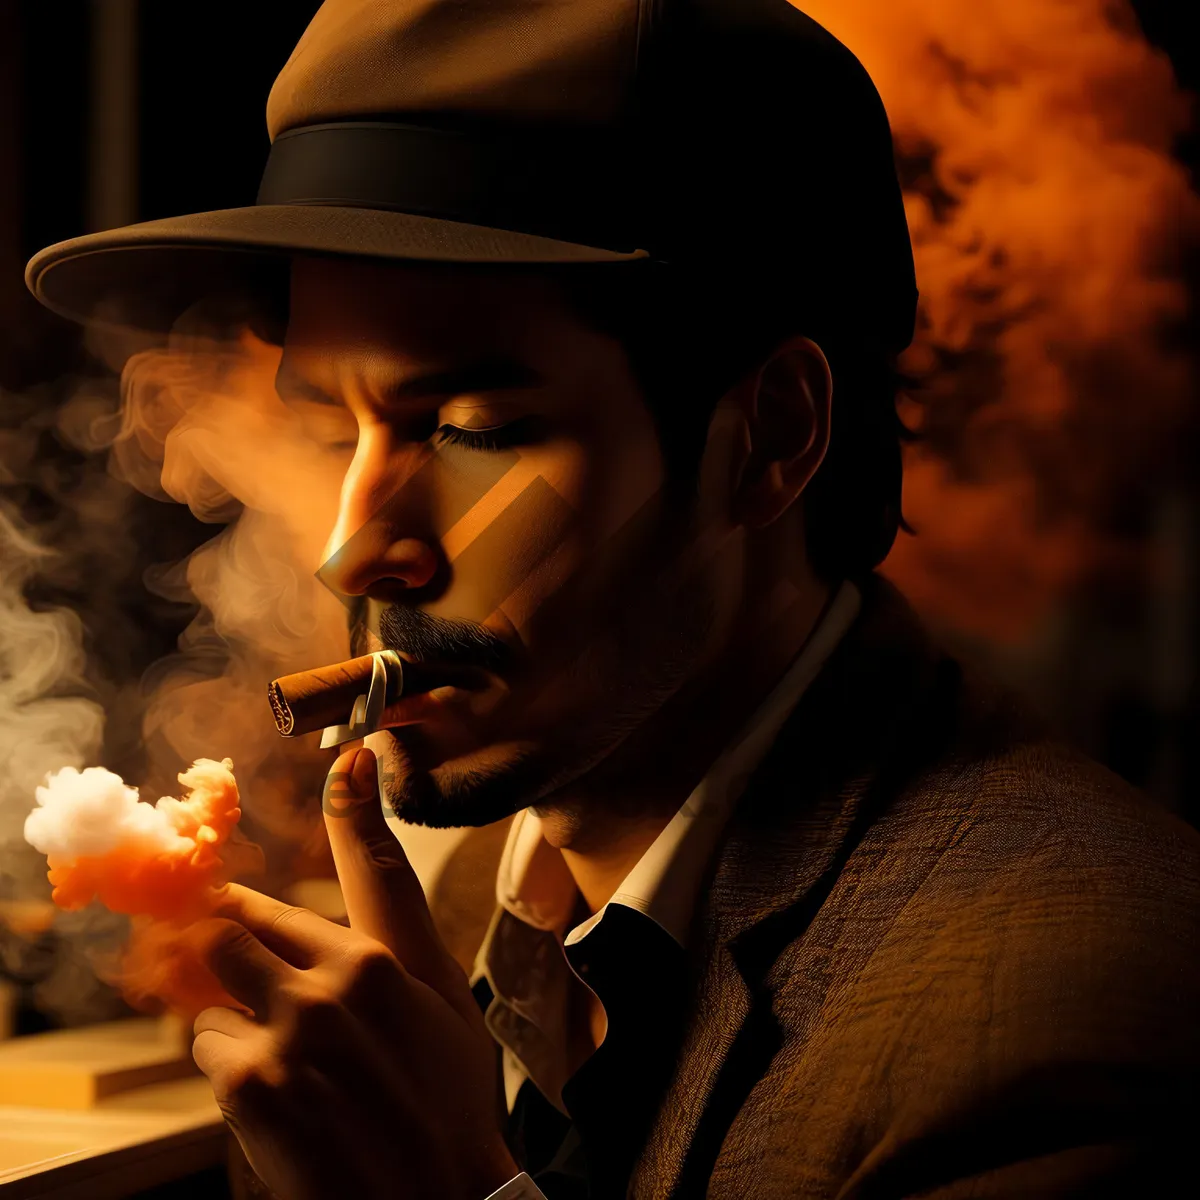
(285, 722)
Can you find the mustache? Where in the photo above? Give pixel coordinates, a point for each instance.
(427, 638)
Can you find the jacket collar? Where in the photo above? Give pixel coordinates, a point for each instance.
(874, 712)
(859, 729)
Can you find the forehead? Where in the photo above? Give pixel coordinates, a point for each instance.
(422, 311)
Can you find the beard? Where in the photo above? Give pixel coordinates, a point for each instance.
(468, 790)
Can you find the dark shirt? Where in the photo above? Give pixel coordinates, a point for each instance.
(637, 971)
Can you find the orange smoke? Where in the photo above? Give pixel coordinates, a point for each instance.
(159, 870)
(158, 864)
(1048, 219)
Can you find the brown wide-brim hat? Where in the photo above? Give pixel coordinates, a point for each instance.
(714, 136)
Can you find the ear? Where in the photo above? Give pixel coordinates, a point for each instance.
(787, 410)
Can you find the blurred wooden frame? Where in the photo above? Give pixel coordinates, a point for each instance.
(75, 1069)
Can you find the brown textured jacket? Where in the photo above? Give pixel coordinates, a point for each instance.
(940, 955)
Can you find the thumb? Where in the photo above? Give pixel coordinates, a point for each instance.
(383, 896)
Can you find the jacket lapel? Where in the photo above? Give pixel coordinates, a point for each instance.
(844, 751)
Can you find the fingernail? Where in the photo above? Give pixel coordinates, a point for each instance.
(342, 790)
(363, 778)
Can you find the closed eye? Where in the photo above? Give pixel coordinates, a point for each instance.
(496, 437)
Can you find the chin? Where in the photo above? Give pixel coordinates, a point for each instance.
(429, 780)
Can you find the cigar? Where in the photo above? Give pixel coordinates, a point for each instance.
(347, 697)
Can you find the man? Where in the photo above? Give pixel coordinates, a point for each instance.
(606, 296)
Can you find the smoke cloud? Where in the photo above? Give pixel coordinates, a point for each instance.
(1049, 220)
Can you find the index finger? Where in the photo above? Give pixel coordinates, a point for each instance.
(297, 935)
(383, 896)
(245, 967)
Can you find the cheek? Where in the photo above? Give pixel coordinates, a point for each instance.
(596, 501)
(517, 534)
(627, 478)
(617, 477)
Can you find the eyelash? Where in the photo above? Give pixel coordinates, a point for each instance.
(498, 438)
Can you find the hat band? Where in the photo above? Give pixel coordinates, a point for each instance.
(546, 184)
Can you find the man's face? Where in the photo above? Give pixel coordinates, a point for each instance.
(503, 518)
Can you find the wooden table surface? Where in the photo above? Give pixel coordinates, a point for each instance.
(137, 1140)
(144, 1134)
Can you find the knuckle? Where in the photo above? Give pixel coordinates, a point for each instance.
(286, 918)
(387, 858)
(248, 1087)
(300, 995)
(315, 1020)
(369, 966)
(225, 937)
(315, 1017)
(220, 930)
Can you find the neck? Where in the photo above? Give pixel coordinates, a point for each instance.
(657, 767)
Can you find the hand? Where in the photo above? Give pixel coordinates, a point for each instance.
(363, 1067)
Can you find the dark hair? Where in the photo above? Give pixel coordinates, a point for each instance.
(691, 340)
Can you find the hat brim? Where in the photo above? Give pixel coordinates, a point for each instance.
(145, 275)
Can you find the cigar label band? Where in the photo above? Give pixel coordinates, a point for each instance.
(368, 708)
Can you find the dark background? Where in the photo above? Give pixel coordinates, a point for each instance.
(113, 111)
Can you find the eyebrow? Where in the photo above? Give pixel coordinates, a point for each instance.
(491, 374)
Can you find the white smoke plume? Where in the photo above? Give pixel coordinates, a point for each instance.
(42, 726)
(92, 813)
(49, 719)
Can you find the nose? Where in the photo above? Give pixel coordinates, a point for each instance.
(362, 567)
(379, 546)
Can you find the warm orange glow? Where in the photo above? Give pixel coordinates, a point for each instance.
(1048, 217)
(202, 424)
